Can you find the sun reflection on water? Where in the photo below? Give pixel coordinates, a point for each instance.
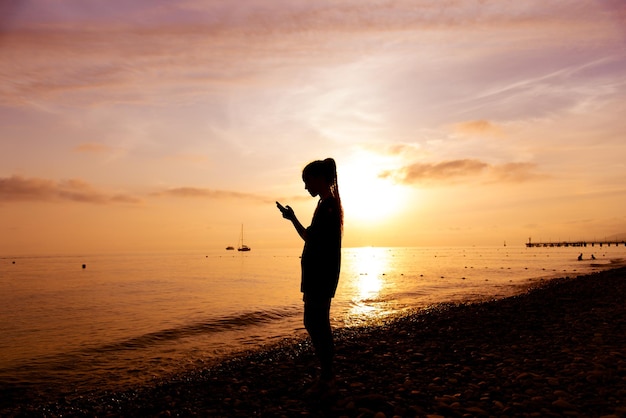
(368, 272)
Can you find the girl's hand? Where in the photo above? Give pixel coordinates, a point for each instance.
(289, 213)
(286, 211)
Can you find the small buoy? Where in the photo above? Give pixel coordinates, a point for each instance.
(84, 265)
(14, 262)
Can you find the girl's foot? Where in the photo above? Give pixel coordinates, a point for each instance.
(321, 388)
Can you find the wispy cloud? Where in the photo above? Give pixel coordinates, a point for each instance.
(137, 53)
(187, 158)
(16, 189)
(206, 193)
(216, 194)
(21, 189)
(463, 170)
(478, 128)
(515, 173)
(93, 147)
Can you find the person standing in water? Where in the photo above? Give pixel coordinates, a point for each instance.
(321, 262)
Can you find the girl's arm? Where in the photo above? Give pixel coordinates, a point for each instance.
(299, 228)
(288, 213)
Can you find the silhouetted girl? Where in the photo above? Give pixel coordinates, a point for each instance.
(321, 261)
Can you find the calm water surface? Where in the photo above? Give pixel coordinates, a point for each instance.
(126, 319)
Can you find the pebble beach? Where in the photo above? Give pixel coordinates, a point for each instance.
(557, 349)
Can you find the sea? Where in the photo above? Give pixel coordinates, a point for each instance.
(75, 324)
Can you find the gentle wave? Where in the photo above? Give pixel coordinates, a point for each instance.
(224, 324)
(91, 356)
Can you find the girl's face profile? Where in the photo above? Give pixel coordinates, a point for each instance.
(313, 185)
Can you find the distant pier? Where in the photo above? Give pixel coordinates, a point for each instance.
(592, 243)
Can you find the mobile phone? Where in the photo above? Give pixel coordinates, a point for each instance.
(281, 207)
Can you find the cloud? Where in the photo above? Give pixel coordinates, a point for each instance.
(394, 149)
(455, 171)
(215, 194)
(21, 189)
(478, 127)
(445, 170)
(93, 147)
(142, 52)
(514, 172)
(205, 193)
(188, 158)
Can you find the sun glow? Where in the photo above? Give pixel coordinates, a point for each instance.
(366, 197)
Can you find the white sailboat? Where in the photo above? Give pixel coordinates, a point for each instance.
(242, 246)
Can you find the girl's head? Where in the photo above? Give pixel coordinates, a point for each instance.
(324, 171)
(320, 178)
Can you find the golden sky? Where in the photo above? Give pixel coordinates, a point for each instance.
(158, 125)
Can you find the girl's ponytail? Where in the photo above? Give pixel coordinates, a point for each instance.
(331, 177)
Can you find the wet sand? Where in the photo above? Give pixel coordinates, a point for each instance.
(558, 349)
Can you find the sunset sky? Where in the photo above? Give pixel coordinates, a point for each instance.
(158, 125)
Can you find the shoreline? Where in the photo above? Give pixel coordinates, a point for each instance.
(556, 349)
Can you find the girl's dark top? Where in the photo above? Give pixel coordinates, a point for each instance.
(321, 257)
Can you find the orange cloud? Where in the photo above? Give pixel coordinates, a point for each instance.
(515, 172)
(458, 170)
(92, 147)
(478, 127)
(206, 193)
(21, 189)
(198, 192)
(442, 171)
(188, 158)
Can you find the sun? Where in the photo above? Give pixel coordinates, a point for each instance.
(365, 196)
